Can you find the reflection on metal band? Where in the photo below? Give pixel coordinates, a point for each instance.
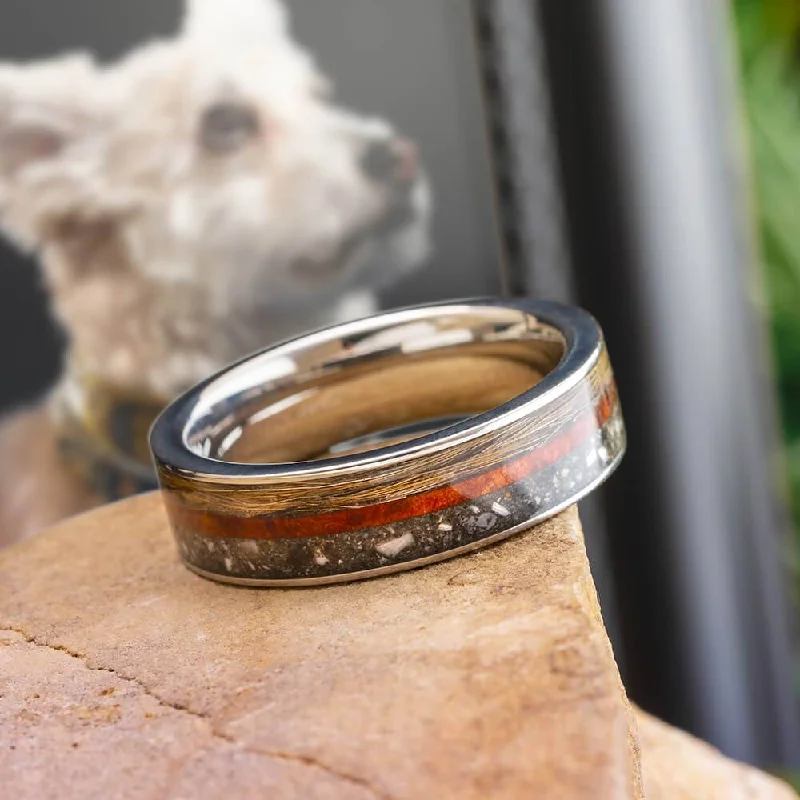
(398, 506)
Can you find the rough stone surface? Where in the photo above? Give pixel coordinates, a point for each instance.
(124, 676)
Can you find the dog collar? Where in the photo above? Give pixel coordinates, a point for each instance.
(102, 435)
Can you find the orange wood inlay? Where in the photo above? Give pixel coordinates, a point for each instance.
(210, 523)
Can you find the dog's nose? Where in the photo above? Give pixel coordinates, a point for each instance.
(393, 161)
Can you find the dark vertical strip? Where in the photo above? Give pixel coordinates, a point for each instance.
(520, 124)
(653, 195)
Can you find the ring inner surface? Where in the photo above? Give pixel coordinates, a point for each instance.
(390, 383)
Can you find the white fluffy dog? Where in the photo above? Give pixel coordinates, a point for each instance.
(191, 203)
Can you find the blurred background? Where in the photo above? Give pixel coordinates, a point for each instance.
(641, 158)
(408, 62)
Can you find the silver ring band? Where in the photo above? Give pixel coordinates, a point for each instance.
(389, 443)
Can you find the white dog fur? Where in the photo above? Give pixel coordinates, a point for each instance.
(193, 202)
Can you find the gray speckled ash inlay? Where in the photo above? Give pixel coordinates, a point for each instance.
(487, 517)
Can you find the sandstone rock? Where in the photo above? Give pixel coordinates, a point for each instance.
(122, 675)
(677, 766)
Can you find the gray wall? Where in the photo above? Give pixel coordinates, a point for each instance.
(408, 60)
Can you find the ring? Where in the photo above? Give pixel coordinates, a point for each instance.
(388, 443)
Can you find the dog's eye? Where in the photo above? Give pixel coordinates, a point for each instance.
(228, 126)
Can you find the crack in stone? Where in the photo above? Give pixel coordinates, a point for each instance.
(84, 659)
(308, 761)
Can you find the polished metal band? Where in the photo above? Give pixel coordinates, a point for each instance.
(388, 443)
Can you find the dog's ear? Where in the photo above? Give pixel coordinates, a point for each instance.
(237, 20)
(44, 107)
(48, 111)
